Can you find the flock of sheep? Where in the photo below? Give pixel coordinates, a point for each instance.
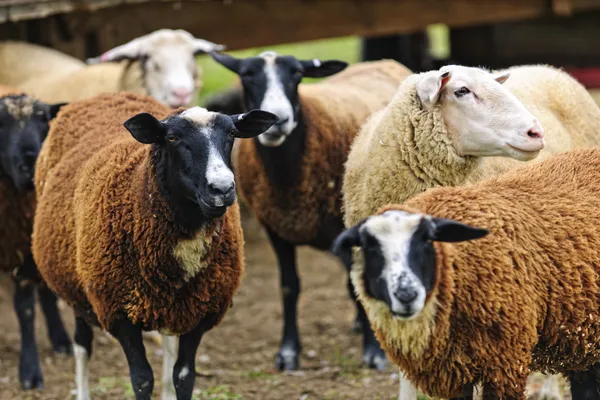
(461, 201)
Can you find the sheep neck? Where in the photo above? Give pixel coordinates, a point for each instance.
(283, 163)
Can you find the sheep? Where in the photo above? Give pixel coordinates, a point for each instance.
(160, 64)
(460, 125)
(149, 235)
(522, 298)
(23, 127)
(290, 175)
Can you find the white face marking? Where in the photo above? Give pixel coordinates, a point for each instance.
(276, 102)
(198, 115)
(394, 231)
(169, 353)
(81, 372)
(218, 175)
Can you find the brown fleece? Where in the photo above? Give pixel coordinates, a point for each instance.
(105, 239)
(524, 298)
(334, 110)
(16, 216)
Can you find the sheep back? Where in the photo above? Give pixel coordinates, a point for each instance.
(333, 110)
(404, 150)
(106, 241)
(525, 297)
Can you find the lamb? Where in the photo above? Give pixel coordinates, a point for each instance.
(160, 64)
(291, 175)
(525, 297)
(459, 125)
(149, 235)
(24, 124)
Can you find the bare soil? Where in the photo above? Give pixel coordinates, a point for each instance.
(235, 360)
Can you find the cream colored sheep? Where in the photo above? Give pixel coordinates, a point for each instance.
(459, 125)
(160, 64)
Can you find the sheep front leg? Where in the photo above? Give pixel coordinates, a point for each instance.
(30, 372)
(184, 373)
(57, 333)
(140, 371)
(584, 386)
(83, 351)
(287, 358)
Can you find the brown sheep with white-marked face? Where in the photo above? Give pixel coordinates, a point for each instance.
(487, 282)
(149, 235)
(23, 127)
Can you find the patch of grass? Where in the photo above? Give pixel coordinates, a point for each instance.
(348, 365)
(257, 374)
(219, 392)
(217, 77)
(108, 383)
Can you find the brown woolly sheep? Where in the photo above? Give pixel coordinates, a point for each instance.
(291, 175)
(523, 298)
(149, 235)
(23, 127)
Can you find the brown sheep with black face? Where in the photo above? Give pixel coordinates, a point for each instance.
(453, 311)
(23, 127)
(140, 230)
(291, 175)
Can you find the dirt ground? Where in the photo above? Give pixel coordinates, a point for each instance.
(235, 360)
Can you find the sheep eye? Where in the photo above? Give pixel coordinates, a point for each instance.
(461, 92)
(171, 138)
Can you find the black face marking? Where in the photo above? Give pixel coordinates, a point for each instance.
(24, 124)
(421, 256)
(374, 261)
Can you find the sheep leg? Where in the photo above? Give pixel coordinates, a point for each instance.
(83, 351)
(184, 373)
(30, 371)
(583, 386)
(287, 358)
(169, 350)
(373, 354)
(140, 371)
(56, 329)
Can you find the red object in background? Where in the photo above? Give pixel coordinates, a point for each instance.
(588, 77)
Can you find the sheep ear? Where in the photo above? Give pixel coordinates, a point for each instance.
(343, 244)
(145, 128)
(132, 50)
(431, 86)
(229, 62)
(501, 78)
(253, 123)
(447, 230)
(320, 69)
(202, 46)
(53, 110)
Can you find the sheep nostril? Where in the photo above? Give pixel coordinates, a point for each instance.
(535, 134)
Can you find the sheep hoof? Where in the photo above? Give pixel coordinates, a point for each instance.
(33, 380)
(62, 344)
(375, 358)
(287, 360)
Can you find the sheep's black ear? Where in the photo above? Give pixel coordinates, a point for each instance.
(320, 69)
(344, 242)
(447, 230)
(253, 123)
(53, 110)
(145, 128)
(229, 62)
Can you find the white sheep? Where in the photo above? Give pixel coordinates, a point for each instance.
(160, 64)
(460, 125)
(523, 298)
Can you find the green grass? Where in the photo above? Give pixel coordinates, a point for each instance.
(220, 392)
(217, 77)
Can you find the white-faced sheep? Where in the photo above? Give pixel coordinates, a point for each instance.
(23, 127)
(160, 64)
(525, 297)
(141, 231)
(290, 176)
(460, 125)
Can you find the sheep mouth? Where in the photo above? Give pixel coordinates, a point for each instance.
(213, 211)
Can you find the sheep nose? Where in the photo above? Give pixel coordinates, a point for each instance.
(181, 94)
(221, 188)
(406, 295)
(536, 132)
